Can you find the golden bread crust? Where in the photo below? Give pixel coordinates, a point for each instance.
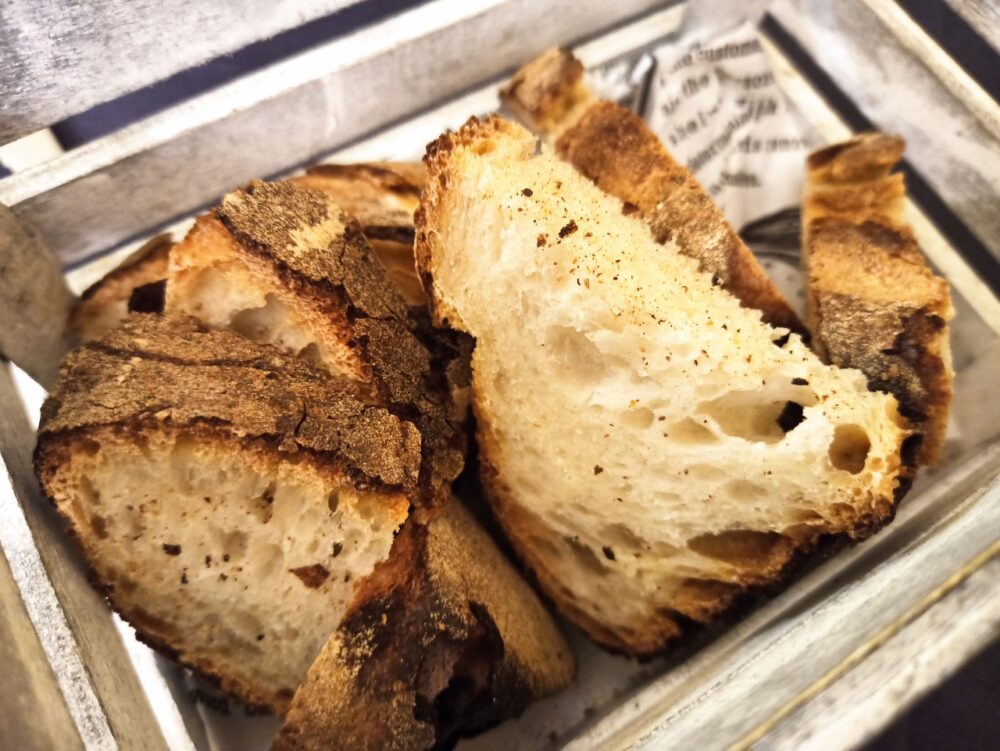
(873, 302)
(299, 239)
(104, 304)
(443, 640)
(614, 148)
(160, 372)
(158, 380)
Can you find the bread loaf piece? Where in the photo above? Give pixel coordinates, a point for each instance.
(444, 640)
(105, 305)
(227, 496)
(652, 448)
(282, 264)
(382, 198)
(873, 303)
(615, 148)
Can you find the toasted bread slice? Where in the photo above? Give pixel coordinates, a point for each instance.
(105, 305)
(282, 264)
(616, 149)
(873, 303)
(227, 496)
(651, 447)
(444, 640)
(382, 198)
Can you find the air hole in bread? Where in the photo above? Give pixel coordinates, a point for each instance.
(156, 498)
(741, 547)
(744, 491)
(690, 431)
(753, 415)
(849, 448)
(639, 418)
(582, 360)
(585, 556)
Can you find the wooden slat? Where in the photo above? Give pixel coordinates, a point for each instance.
(34, 301)
(35, 717)
(290, 113)
(61, 58)
(946, 142)
(95, 673)
(981, 15)
(910, 662)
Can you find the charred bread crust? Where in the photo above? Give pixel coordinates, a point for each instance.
(442, 640)
(147, 265)
(336, 272)
(155, 378)
(864, 157)
(176, 374)
(382, 198)
(614, 148)
(547, 90)
(873, 302)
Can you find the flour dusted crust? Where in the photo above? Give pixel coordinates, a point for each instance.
(131, 446)
(615, 148)
(382, 197)
(873, 302)
(284, 264)
(444, 640)
(653, 449)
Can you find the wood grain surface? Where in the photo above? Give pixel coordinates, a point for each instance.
(62, 57)
(35, 714)
(287, 114)
(34, 301)
(80, 639)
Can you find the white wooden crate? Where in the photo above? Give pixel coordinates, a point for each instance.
(825, 665)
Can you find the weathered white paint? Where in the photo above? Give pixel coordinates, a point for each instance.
(61, 57)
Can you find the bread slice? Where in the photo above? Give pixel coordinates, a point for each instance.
(227, 496)
(444, 640)
(105, 304)
(616, 149)
(873, 303)
(382, 198)
(652, 448)
(282, 264)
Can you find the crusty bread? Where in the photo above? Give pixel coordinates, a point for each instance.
(282, 264)
(382, 198)
(873, 303)
(227, 496)
(445, 639)
(252, 267)
(616, 149)
(105, 304)
(651, 447)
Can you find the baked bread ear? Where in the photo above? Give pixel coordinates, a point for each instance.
(226, 495)
(444, 640)
(614, 147)
(282, 264)
(382, 198)
(651, 447)
(873, 302)
(136, 284)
